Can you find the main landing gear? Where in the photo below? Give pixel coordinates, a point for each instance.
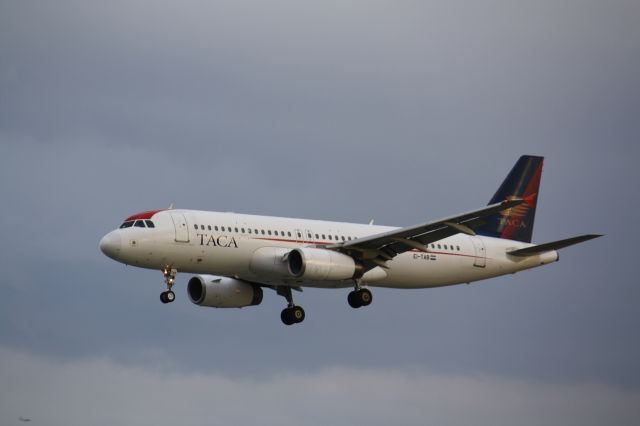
(359, 297)
(169, 279)
(292, 314)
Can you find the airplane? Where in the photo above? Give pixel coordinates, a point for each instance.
(235, 256)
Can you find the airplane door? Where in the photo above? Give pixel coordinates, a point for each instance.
(480, 259)
(180, 224)
(308, 235)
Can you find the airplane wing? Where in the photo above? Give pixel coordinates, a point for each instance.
(554, 245)
(375, 250)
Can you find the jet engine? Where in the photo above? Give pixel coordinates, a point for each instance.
(315, 264)
(222, 292)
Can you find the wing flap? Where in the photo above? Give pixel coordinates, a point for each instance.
(554, 245)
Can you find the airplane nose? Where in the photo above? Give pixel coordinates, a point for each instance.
(110, 244)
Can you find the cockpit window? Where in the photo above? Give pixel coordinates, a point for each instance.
(149, 224)
(127, 224)
(139, 223)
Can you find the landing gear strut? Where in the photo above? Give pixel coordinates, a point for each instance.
(359, 297)
(169, 279)
(292, 314)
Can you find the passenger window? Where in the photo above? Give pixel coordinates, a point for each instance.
(202, 227)
(242, 229)
(269, 232)
(255, 230)
(439, 246)
(323, 237)
(139, 224)
(343, 238)
(262, 231)
(289, 233)
(329, 237)
(249, 229)
(149, 224)
(222, 227)
(128, 224)
(349, 238)
(236, 229)
(215, 227)
(209, 227)
(299, 235)
(317, 237)
(336, 237)
(458, 248)
(195, 227)
(309, 235)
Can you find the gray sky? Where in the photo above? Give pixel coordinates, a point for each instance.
(402, 111)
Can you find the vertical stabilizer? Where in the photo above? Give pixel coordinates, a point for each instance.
(523, 181)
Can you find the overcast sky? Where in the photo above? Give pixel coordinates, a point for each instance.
(401, 111)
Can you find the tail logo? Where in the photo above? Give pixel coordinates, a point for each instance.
(522, 182)
(512, 218)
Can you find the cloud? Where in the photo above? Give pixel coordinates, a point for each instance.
(100, 392)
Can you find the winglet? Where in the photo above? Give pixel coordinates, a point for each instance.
(554, 245)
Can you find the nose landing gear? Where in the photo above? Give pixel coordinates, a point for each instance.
(169, 279)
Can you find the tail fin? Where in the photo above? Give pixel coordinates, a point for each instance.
(522, 182)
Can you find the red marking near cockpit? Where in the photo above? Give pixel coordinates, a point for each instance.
(144, 215)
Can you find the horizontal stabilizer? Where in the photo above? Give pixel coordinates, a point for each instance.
(554, 245)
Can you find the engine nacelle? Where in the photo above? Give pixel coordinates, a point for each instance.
(315, 264)
(270, 262)
(222, 292)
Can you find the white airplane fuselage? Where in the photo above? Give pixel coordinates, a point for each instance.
(238, 245)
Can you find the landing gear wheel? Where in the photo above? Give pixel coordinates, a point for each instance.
(297, 313)
(359, 298)
(353, 300)
(365, 296)
(167, 296)
(293, 315)
(286, 317)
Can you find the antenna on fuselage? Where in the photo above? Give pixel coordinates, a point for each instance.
(171, 206)
(371, 222)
